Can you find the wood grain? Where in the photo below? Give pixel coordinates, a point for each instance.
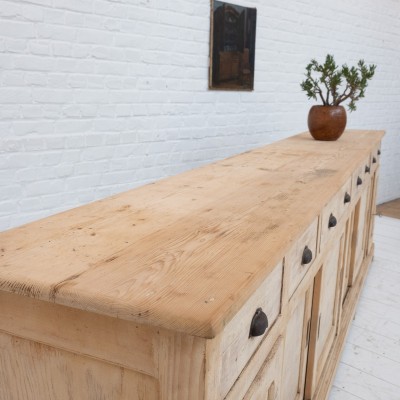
(267, 383)
(156, 288)
(324, 316)
(120, 342)
(359, 233)
(256, 362)
(181, 366)
(113, 258)
(296, 348)
(236, 347)
(337, 208)
(295, 269)
(33, 371)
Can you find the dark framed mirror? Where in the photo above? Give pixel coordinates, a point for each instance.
(232, 47)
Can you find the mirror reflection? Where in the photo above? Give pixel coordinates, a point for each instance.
(233, 36)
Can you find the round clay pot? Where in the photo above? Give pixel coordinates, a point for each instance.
(327, 122)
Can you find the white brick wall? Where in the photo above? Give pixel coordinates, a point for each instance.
(99, 96)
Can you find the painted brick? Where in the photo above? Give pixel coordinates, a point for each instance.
(13, 78)
(10, 9)
(98, 96)
(74, 5)
(73, 126)
(16, 29)
(15, 95)
(56, 32)
(35, 79)
(15, 45)
(40, 48)
(52, 96)
(54, 16)
(62, 49)
(31, 13)
(75, 19)
(33, 63)
(94, 36)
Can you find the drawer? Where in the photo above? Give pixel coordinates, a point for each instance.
(361, 177)
(334, 211)
(367, 169)
(345, 199)
(267, 383)
(237, 346)
(375, 157)
(301, 256)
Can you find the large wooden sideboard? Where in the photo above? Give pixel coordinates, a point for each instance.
(237, 280)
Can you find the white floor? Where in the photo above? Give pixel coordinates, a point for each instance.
(370, 364)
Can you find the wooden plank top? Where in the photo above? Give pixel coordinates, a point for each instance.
(186, 252)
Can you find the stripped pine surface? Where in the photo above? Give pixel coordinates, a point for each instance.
(187, 252)
(370, 364)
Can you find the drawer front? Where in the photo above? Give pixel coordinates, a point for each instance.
(237, 346)
(267, 383)
(301, 256)
(361, 177)
(334, 211)
(367, 169)
(358, 182)
(345, 200)
(375, 157)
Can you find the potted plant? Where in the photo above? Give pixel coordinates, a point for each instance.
(333, 86)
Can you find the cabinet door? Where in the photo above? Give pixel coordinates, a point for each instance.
(358, 240)
(267, 383)
(296, 349)
(371, 211)
(344, 282)
(326, 302)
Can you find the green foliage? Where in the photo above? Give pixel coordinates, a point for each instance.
(334, 85)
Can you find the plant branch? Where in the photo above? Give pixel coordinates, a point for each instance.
(330, 79)
(344, 96)
(322, 98)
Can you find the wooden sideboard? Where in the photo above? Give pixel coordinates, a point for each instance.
(237, 280)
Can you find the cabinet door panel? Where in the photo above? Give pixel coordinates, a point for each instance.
(266, 385)
(327, 307)
(296, 349)
(371, 210)
(344, 274)
(358, 241)
(326, 302)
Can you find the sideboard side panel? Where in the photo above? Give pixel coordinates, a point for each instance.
(34, 371)
(123, 343)
(182, 366)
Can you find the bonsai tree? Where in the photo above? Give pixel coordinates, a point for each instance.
(335, 85)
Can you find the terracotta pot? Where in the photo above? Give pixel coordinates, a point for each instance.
(327, 122)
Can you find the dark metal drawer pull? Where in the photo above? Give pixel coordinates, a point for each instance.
(367, 169)
(379, 152)
(347, 198)
(259, 323)
(359, 181)
(307, 256)
(373, 160)
(332, 221)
